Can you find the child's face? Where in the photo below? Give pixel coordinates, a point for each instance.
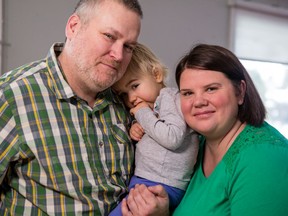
(138, 88)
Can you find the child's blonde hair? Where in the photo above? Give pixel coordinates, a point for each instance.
(145, 61)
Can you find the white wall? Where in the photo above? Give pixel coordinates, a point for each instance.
(169, 27)
(30, 27)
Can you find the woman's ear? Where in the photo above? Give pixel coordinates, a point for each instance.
(242, 92)
(157, 74)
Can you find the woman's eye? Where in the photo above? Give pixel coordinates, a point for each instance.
(186, 93)
(211, 89)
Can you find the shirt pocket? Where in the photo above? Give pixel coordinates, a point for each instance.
(122, 155)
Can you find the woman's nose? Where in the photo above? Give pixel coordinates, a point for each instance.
(200, 100)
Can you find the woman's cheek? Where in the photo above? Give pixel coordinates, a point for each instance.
(186, 109)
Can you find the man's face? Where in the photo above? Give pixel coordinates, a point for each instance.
(101, 49)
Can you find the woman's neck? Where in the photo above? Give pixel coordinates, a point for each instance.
(215, 149)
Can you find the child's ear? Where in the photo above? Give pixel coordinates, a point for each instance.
(158, 75)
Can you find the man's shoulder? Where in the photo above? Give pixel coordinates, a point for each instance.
(25, 71)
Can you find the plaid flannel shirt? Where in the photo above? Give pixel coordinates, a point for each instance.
(58, 156)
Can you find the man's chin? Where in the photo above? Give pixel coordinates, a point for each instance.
(105, 85)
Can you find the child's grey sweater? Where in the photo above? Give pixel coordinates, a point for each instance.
(168, 150)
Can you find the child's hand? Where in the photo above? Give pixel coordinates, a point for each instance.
(138, 106)
(136, 131)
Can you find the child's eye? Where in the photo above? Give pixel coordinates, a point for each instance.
(134, 86)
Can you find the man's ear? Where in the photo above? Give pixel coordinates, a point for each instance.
(72, 26)
(157, 74)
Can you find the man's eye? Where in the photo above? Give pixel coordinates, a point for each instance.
(109, 36)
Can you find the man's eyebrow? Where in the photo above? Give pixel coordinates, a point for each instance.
(118, 34)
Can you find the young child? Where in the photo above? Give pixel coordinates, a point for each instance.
(166, 150)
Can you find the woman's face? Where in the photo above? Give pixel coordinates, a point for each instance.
(208, 101)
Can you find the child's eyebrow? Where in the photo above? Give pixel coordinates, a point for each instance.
(130, 81)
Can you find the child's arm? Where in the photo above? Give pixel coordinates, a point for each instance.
(169, 128)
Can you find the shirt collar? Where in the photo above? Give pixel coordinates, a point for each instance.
(62, 88)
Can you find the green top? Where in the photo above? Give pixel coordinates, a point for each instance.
(250, 180)
(58, 156)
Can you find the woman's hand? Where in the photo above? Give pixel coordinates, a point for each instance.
(144, 201)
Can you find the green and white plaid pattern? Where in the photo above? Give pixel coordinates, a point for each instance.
(58, 155)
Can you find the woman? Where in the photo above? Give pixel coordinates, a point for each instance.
(242, 168)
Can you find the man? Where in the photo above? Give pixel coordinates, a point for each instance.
(64, 145)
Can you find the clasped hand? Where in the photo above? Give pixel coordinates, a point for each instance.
(146, 201)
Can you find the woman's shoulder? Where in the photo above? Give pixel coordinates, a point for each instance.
(264, 144)
(264, 134)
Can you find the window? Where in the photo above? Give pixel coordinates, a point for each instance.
(259, 38)
(271, 80)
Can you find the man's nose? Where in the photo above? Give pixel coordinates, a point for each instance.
(117, 51)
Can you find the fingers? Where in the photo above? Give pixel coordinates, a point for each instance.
(125, 209)
(136, 135)
(136, 131)
(138, 106)
(146, 195)
(144, 201)
(158, 190)
(135, 201)
(133, 137)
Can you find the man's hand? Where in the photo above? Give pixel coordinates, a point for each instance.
(144, 201)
